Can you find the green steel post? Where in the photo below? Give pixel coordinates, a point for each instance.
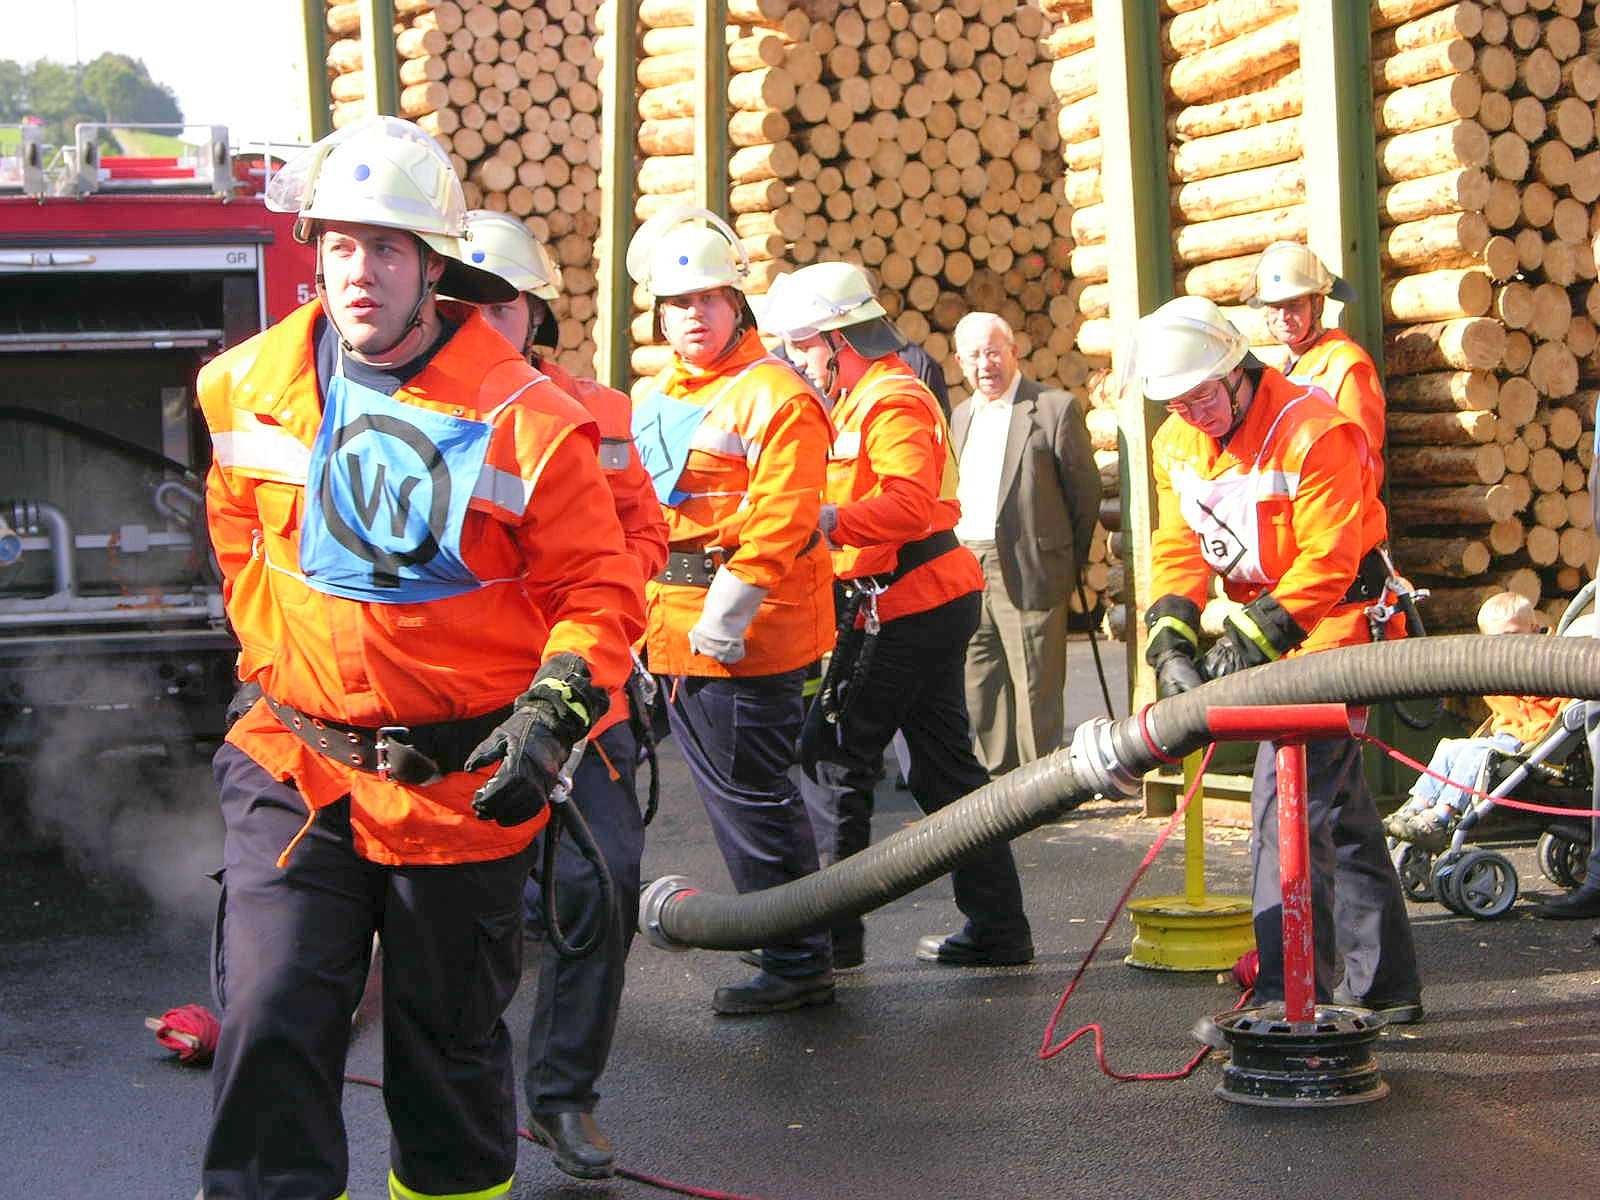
(619, 100)
(1139, 241)
(1342, 204)
(313, 21)
(711, 107)
(379, 58)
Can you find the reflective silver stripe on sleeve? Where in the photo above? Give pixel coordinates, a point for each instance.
(615, 453)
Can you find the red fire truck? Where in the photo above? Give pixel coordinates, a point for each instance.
(120, 275)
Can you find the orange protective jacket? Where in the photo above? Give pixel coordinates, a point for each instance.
(541, 524)
(753, 482)
(1338, 365)
(1523, 717)
(1318, 516)
(892, 474)
(643, 528)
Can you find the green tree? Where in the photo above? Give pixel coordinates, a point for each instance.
(113, 87)
(121, 88)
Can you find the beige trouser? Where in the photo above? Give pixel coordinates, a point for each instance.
(1016, 674)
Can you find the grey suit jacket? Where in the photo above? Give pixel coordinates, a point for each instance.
(1049, 494)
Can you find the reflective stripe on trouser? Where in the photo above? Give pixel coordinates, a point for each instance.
(1358, 909)
(914, 685)
(575, 1008)
(399, 1191)
(290, 963)
(738, 737)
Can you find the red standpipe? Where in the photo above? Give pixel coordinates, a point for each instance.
(1289, 726)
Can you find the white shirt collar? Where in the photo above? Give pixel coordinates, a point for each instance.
(1005, 398)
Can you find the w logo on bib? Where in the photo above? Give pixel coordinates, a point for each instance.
(386, 499)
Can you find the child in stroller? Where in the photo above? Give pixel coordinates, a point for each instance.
(1435, 804)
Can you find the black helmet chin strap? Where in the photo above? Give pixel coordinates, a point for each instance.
(413, 322)
(830, 373)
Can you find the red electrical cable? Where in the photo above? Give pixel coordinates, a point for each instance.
(1548, 810)
(655, 1181)
(1046, 1050)
(191, 1030)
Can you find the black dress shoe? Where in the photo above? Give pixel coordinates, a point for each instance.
(962, 950)
(1585, 902)
(773, 993)
(581, 1149)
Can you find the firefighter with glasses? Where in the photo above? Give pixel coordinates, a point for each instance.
(1261, 481)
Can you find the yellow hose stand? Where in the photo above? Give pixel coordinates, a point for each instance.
(1194, 931)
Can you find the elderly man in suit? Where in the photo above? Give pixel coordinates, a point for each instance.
(1029, 493)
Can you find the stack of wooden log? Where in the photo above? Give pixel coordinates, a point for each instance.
(511, 89)
(419, 46)
(1489, 173)
(762, 157)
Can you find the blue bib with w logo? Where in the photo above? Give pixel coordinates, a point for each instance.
(386, 498)
(663, 429)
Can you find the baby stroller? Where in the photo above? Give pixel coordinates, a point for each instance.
(1555, 771)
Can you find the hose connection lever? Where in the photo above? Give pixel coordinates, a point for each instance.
(653, 901)
(1096, 761)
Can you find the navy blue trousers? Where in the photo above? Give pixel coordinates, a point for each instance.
(738, 737)
(1358, 910)
(289, 964)
(915, 684)
(575, 1010)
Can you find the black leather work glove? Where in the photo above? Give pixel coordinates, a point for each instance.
(1260, 632)
(1176, 673)
(817, 737)
(1174, 645)
(535, 741)
(243, 701)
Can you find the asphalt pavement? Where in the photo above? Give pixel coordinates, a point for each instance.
(920, 1082)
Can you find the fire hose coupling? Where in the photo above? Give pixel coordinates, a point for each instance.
(10, 544)
(653, 902)
(1094, 757)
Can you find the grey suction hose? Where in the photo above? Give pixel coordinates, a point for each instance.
(1108, 758)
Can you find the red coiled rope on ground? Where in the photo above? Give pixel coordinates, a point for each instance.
(191, 1030)
(1048, 1051)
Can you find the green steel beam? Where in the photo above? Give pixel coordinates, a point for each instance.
(314, 28)
(379, 58)
(1341, 158)
(711, 107)
(613, 347)
(1136, 196)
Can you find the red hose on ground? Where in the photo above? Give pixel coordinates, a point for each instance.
(1048, 1051)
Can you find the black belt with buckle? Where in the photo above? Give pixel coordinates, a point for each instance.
(414, 754)
(691, 568)
(697, 567)
(913, 554)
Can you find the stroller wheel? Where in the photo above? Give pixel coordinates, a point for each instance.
(1444, 877)
(1414, 865)
(1486, 884)
(1553, 859)
(1578, 862)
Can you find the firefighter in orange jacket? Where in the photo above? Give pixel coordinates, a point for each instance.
(1262, 482)
(736, 444)
(1292, 284)
(575, 1012)
(909, 594)
(411, 524)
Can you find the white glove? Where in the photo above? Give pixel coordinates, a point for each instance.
(730, 606)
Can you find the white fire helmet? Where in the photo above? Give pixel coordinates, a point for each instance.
(1181, 345)
(1287, 270)
(826, 296)
(685, 249)
(389, 173)
(499, 242)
